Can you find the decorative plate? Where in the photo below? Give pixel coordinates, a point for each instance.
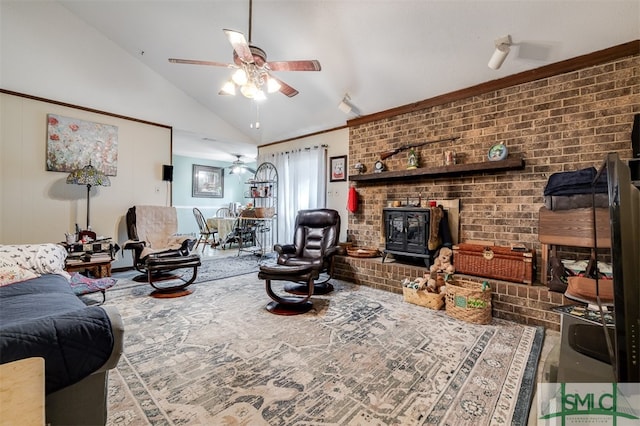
(498, 152)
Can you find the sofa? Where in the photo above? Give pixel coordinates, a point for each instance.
(40, 316)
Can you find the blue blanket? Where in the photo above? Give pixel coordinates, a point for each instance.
(43, 318)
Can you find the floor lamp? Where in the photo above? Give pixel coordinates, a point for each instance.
(89, 176)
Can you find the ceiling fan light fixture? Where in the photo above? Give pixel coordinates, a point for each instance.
(273, 85)
(240, 77)
(252, 71)
(259, 96)
(228, 89)
(249, 90)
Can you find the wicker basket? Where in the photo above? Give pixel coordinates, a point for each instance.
(423, 298)
(265, 212)
(501, 263)
(468, 302)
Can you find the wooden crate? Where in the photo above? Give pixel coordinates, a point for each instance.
(501, 263)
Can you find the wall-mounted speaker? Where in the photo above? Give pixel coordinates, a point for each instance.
(167, 173)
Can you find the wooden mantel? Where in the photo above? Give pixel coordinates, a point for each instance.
(515, 162)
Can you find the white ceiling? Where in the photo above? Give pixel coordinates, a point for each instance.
(384, 54)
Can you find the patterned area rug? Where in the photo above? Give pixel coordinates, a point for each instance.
(211, 269)
(361, 357)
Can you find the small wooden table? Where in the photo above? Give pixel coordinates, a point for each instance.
(100, 268)
(22, 392)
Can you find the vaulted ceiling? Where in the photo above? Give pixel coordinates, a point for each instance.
(383, 53)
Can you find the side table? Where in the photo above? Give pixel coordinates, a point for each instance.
(22, 392)
(99, 268)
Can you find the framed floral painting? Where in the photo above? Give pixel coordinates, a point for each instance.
(73, 144)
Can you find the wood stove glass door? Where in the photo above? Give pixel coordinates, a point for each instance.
(416, 232)
(395, 230)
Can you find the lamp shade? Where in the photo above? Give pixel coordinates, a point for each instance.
(88, 175)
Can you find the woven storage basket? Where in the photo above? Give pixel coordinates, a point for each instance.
(466, 301)
(265, 212)
(423, 298)
(501, 263)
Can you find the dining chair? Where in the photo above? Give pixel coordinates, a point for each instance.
(205, 231)
(223, 212)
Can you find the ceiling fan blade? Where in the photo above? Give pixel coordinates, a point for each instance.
(285, 89)
(240, 45)
(311, 65)
(196, 62)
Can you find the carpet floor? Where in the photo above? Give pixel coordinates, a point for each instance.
(361, 357)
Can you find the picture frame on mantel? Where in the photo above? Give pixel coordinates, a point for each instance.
(208, 182)
(338, 168)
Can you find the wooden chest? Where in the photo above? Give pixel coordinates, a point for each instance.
(501, 263)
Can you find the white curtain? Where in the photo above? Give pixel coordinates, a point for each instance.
(301, 185)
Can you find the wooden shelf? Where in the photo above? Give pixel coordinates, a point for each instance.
(511, 163)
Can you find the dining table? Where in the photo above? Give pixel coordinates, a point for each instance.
(263, 228)
(224, 225)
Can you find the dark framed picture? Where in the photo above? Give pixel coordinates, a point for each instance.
(208, 182)
(338, 168)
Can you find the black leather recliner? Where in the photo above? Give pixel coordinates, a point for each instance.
(315, 243)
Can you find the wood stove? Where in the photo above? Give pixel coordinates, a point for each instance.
(407, 232)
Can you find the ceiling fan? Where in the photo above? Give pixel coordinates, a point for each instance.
(252, 69)
(239, 166)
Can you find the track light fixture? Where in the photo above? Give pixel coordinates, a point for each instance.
(500, 54)
(346, 106)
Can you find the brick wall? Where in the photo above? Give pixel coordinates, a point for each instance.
(516, 302)
(560, 123)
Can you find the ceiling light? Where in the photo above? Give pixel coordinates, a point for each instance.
(259, 95)
(239, 77)
(228, 89)
(500, 54)
(272, 85)
(250, 79)
(344, 107)
(249, 90)
(347, 106)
